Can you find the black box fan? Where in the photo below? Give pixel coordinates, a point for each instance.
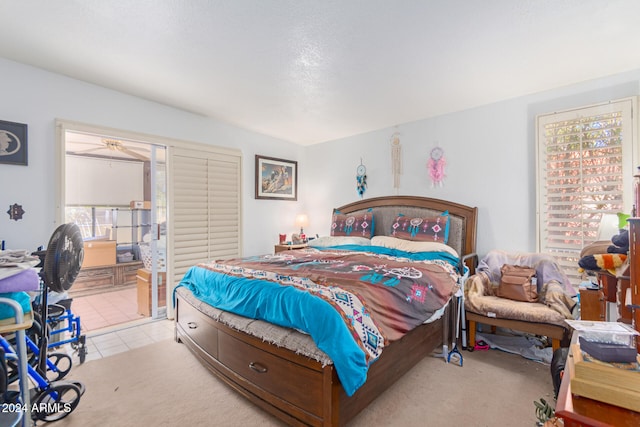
(63, 258)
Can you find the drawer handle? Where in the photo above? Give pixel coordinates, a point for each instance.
(258, 367)
(192, 325)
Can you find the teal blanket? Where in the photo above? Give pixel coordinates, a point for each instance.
(285, 306)
(7, 311)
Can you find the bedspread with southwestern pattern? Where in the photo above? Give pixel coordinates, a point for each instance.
(351, 302)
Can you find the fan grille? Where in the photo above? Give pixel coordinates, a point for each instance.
(63, 260)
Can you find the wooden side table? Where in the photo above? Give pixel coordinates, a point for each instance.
(593, 305)
(614, 289)
(282, 248)
(144, 285)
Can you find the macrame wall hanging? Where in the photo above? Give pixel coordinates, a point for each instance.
(361, 179)
(396, 160)
(435, 165)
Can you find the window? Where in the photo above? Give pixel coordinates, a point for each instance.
(93, 221)
(585, 170)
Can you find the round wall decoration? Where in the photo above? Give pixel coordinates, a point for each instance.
(436, 165)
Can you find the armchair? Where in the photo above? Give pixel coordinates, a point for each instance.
(545, 317)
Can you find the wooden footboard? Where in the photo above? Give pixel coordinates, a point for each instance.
(292, 387)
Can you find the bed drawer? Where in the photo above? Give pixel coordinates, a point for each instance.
(294, 383)
(198, 327)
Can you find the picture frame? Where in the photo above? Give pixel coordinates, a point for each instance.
(276, 179)
(13, 143)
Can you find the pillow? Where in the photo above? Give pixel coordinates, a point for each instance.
(433, 229)
(361, 225)
(412, 247)
(325, 241)
(597, 247)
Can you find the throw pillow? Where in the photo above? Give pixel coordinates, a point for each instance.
(434, 229)
(361, 225)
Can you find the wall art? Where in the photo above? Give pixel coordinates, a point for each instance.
(276, 179)
(13, 143)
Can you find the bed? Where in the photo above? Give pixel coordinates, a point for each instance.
(295, 374)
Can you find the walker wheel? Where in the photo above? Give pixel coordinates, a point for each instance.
(80, 386)
(56, 401)
(62, 362)
(55, 310)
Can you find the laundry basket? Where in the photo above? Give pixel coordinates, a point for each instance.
(145, 253)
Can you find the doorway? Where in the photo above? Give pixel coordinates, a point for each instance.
(115, 191)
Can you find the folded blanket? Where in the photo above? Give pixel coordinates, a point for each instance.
(608, 261)
(15, 256)
(7, 311)
(25, 280)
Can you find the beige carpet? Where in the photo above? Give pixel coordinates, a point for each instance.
(164, 385)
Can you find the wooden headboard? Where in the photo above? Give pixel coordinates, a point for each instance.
(463, 219)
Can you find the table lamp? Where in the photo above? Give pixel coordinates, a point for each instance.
(302, 220)
(608, 226)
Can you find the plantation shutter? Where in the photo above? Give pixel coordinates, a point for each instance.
(585, 170)
(206, 208)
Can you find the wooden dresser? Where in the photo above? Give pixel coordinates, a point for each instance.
(634, 263)
(105, 278)
(612, 289)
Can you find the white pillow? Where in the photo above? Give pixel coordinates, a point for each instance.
(412, 246)
(325, 241)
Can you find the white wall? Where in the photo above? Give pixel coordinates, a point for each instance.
(490, 153)
(37, 98)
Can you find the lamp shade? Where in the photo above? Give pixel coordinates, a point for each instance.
(302, 220)
(608, 226)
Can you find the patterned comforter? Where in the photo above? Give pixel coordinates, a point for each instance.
(351, 300)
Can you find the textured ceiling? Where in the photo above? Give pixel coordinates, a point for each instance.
(309, 71)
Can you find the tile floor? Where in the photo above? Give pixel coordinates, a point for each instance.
(111, 324)
(115, 340)
(106, 309)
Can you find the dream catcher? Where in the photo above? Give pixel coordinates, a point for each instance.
(361, 179)
(436, 165)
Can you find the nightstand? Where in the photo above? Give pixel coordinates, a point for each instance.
(593, 305)
(282, 248)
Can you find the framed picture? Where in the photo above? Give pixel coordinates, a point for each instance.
(276, 179)
(13, 143)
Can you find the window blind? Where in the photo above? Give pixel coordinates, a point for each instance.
(585, 169)
(206, 208)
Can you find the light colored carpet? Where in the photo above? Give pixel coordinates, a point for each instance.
(163, 384)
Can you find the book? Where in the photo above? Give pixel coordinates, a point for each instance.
(607, 352)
